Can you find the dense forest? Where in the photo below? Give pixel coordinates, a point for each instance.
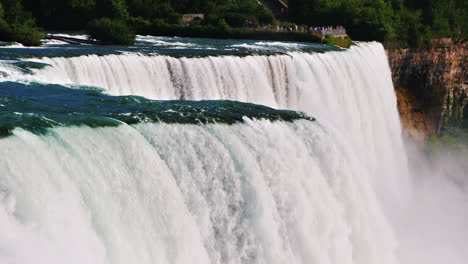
(394, 22)
(403, 22)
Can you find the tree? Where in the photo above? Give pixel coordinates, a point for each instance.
(111, 32)
(18, 25)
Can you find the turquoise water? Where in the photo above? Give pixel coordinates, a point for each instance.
(170, 46)
(37, 107)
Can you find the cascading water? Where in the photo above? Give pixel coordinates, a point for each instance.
(353, 90)
(130, 180)
(188, 194)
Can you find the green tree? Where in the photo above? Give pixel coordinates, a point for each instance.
(18, 25)
(406, 21)
(111, 32)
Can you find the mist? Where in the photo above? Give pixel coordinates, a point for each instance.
(433, 226)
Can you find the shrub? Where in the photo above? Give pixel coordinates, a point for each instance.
(111, 32)
(4, 30)
(264, 15)
(338, 41)
(22, 33)
(174, 18)
(20, 27)
(222, 25)
(137, 24)
(26, 34)
(236, 19)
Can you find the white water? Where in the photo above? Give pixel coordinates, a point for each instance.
(325, 192)
(352, 90)
(253, 193)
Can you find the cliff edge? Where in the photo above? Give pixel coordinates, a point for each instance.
(431, 86)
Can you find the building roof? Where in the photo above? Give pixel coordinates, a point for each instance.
(283, 3)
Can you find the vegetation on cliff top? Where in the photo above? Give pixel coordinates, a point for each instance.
(395, 22)
(341, 42)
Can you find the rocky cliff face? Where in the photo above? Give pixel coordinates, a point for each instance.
(431, 86)
(417, 124)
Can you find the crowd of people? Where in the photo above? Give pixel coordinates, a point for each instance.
(329, 30)
(338, 30)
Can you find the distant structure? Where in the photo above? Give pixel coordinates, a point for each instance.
(278, 7)
(186, 18)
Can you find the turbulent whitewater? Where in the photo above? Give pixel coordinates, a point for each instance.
(352, 90)
(93, 173)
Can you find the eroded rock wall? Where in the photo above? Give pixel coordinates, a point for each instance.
(431, 86)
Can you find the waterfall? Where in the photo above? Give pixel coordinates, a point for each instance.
(352, 90)
(188, 194)
(260, 191)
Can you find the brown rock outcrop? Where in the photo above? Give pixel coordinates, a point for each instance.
(417, 124)
(431, 86)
